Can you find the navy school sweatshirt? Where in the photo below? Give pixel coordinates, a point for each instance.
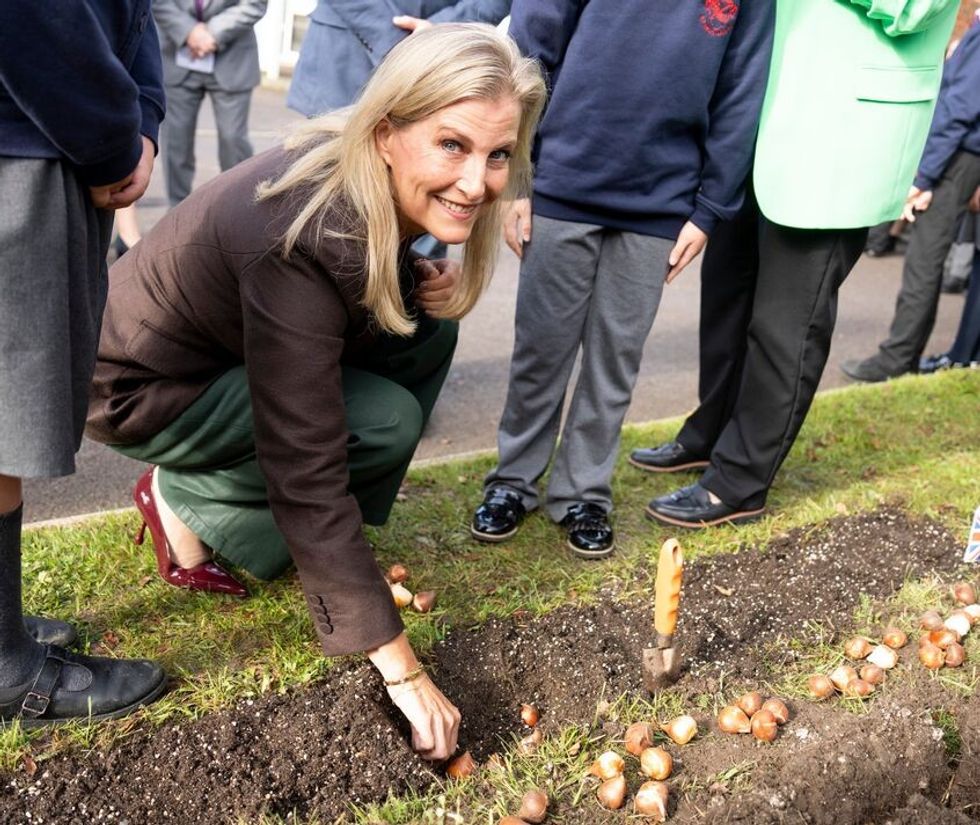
(956, 122)
(653, 111)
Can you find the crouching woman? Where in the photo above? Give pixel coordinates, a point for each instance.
(274, 349)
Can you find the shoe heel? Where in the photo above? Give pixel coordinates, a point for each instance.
(140, 536)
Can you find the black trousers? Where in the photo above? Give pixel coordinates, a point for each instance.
(768, 309)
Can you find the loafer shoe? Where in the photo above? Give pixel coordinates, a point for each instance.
(590, 536)
(671, 457)
(498, 518)
(869, 371)
(692, 507)
(936, 363)
(71, 687)
(50, 631)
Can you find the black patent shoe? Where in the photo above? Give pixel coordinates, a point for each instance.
(71, 687)
(672, 457)
(692, 507)
(498, 518)
(50, 631)
(590, 536)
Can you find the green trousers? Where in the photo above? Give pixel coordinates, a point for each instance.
(210, 476)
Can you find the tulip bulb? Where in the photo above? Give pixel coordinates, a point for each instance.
(894, 638)
(462, 766)
(402, 595)
(511, 820)
(682, 729)
(932, 656)
(639, 737)
(529, 744)
(959, 623)
(397, 574)
(608, 765)
(750, 702)
(529, 715)
(857, 648)
(777, 707)
(820, 686)
(859, 688)
(656, 763)
(884, 657)
(955, 654)
(973, 611)
(764, 726)
(424, 601)
(732, 719)
(651, 801)
(872, 674)
(841, 675)
(612, 792)
(964, 593)
(930, 620)
(534, 806)
(943, 638)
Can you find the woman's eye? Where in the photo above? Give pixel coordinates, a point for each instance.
(500, 156)
(450, 146)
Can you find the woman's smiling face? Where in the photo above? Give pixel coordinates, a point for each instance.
(449, 166)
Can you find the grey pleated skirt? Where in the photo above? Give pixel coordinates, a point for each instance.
(53, 284)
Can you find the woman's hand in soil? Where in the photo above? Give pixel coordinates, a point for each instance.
(434, 719)
(439, 280)
(517, 225)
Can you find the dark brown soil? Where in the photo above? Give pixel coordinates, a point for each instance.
(314, 752)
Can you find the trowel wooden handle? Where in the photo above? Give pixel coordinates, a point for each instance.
(668, 587)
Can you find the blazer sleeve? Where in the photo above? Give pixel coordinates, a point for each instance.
(734, 115)
(147, 72)
(472, 11)
(898, 17)
(59, 67)
(174, 19)
(957, 111)
(370, 22)
(294, 321)
(234, 21)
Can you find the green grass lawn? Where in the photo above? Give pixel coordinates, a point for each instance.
(914, 443)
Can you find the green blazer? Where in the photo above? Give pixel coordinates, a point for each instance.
(852, 87)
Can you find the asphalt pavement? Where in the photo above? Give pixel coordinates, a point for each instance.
(466, 416)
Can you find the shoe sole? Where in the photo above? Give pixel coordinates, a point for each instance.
(32, 724)
(493, 539)
(735, 518)
(691, 465)
(586, 554)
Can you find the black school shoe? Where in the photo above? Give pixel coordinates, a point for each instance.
(691, 507)
(71, 687)
(590, 536)
(672, 457)
(498, 518)
(50, 631)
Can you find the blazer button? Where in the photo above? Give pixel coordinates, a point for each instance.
(326, 627)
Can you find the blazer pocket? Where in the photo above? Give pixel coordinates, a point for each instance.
(897, 84)
(164, 354)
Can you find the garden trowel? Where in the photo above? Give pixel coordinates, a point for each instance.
(661, 663)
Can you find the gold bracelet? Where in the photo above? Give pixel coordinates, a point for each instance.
(411, 676)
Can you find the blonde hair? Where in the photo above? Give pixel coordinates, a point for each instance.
(339, 165)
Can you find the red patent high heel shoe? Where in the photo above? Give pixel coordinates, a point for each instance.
(210, 576)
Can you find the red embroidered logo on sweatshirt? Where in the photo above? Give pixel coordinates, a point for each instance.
(718, 16)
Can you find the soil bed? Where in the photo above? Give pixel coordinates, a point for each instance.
(315, 751)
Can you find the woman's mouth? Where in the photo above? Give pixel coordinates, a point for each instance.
(458, 209)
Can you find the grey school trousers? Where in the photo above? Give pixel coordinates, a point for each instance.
(932, 235)
(581, 287)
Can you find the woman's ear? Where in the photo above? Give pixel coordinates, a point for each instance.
(384, 133)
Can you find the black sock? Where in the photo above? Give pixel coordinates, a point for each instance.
(20, 655)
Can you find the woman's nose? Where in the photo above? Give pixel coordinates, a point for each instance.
(473, 180)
